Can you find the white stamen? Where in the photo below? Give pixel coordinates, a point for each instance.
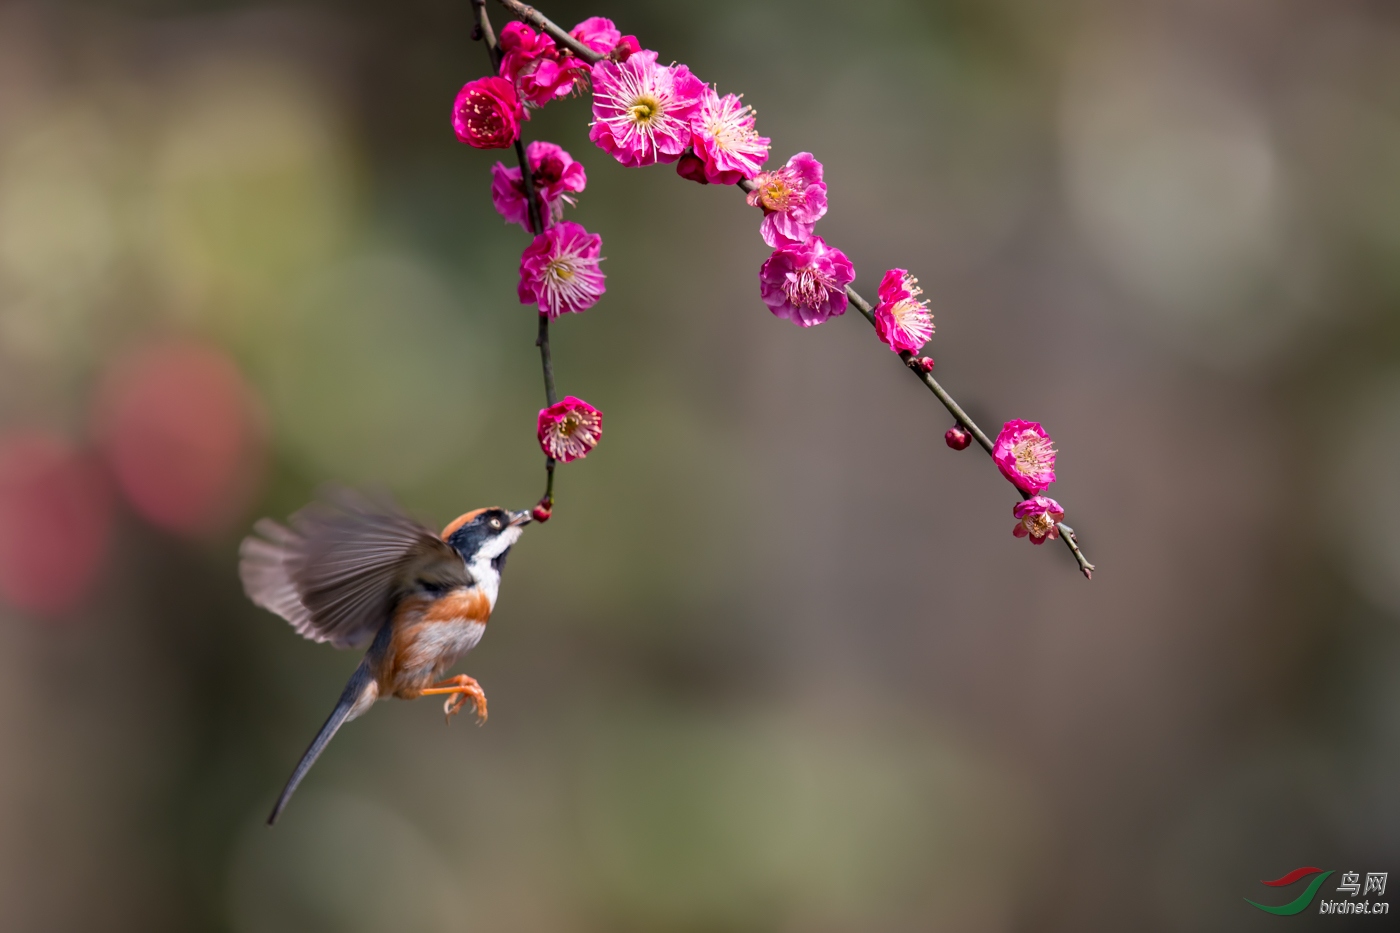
(642, 107)
(808, 287)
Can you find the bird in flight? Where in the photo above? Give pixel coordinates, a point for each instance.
(355, 571)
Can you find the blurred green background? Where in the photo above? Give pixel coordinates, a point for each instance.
(777, 663)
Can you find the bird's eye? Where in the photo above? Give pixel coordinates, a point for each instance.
(496, 524)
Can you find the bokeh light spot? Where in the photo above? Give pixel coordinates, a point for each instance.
(182, 434)
(55, 517)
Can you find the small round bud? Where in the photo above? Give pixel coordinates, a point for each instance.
(541, 512)
(625, 49)
(692, 166)
(926, 365)
(957, 438)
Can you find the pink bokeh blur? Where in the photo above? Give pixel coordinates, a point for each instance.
(182, 434)
(55, 521)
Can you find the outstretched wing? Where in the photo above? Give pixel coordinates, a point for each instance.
(335, 569)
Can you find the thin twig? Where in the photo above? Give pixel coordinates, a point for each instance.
(543, 23)
(547, 364)
(527, 182)
(861, 304)
(536, 220)
(953, 407)
(1072, 543)
(485, 33)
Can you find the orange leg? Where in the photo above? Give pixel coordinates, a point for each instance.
(460, 689)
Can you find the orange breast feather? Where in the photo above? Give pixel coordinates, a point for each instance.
(459, 605)
(429, 636)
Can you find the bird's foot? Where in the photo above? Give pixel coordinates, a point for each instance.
(460, 689)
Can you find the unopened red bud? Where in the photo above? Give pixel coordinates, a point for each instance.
(625, 49)
(540, 513)
(957, 438)
(926, 364)
(692, 166)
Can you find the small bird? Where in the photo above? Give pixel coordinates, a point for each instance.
(350, 570)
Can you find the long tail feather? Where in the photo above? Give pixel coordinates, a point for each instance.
(354, 691)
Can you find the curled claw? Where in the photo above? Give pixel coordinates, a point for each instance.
(459, 690)
(454, 704)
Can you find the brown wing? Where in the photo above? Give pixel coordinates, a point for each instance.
(336, 568)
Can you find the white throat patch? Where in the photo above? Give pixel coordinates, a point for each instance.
(487, 577)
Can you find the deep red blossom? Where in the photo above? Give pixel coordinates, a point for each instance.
(487, 114)
(692, 167)
(569, 429)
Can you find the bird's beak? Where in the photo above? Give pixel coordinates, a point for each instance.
(523, 517)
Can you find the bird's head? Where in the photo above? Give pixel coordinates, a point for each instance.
(485, 534)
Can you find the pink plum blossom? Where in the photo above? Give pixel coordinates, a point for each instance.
(521, 46)
(724, 138)
(569, 429)
(598, 34)
(1025, 454)
(626, 48)
(557, 176)
(642, 110)
(537, 68)
(1037, 517)
(806, 282)
(559, 270)
(487, 114)
(793, 199)
(902, 320)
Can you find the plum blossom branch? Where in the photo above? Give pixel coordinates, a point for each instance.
(643, 114)
(914, 365)
(537, 19)
(487, 35)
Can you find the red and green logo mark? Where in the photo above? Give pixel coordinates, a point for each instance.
(1301, 902)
